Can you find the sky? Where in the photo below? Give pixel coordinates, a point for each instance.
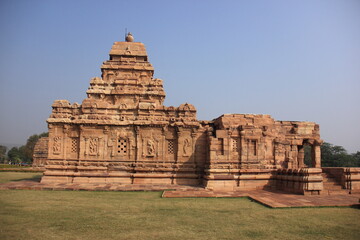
(295, 60)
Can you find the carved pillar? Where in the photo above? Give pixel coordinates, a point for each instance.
(261, 149)
(82, 144)
(164, 155)
(300, 157)
(193, 147)
(228, 148)
(65, 141)
(247, 147)
(178, 142)
(99, 147)
(86, 146)
(138, 144)
(316, 156)
(294, 154)
(243, 149)
(130, 147)
(106, 142)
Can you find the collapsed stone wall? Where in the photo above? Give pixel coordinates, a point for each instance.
(245, 149)
(40, 155)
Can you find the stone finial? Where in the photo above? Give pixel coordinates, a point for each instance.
(129, 37)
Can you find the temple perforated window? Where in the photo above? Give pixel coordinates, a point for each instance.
(235, 144)
(122, 146)
(74, 145)
(170, 146)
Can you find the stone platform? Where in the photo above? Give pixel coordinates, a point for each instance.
(34, 185)
(273, 199)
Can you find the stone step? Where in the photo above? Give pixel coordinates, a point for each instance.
(331, 183)
(335, 187)
(337, 192)
(326, 175)
(329, 180)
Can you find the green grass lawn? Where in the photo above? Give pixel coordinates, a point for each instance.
(13, 166)
(18, 176)
(26, 214)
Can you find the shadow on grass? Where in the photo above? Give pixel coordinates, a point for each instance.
(36, 178)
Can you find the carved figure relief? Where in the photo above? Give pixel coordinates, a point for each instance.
(150, 148)
(93, 108)
(123, 106)
(57, 145)
(93, 146)
(186, 147)
(111, 144)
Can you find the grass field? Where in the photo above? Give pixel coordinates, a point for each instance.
(26, 214)
(18, 176)
(13, 166)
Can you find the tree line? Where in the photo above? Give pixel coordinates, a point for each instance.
(331, 155)
(22, 154)
(337, 156)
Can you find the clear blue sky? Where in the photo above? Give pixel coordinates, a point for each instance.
(295, 60)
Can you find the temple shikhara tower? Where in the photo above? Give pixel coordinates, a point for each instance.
(123, 134)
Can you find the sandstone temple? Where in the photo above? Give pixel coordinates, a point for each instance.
(123, 134)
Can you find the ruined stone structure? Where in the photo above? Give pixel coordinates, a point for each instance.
(123, 134)
(40, 152)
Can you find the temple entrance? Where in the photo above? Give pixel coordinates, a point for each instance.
(309, 154)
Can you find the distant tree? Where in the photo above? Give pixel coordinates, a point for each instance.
(15, 155)
(24, 154)
(2, 154)
(356, 157)
(336, 156)
(28, 149)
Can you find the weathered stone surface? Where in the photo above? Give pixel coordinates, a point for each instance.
(123, 134)
(40, 152)
(347, 178)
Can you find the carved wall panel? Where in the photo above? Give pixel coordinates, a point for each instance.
(187, 147)
(171, 149)
(235, 144)
(74, 145)
(122, 147)
(150, 148)
(93, 146)
(73, 148)
(57, 145)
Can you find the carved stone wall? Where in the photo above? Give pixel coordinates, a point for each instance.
(245, 149)
(123, 134)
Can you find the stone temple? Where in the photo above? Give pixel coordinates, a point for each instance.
(123, 134)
